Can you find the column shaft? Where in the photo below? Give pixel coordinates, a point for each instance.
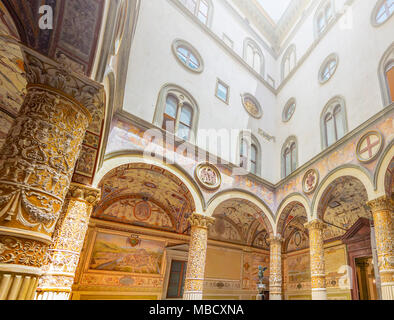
(36, 166)
(318, 273)
(197, 255)
(63, 255)
(276, 268)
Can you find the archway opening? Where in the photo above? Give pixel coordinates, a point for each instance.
(349, 233)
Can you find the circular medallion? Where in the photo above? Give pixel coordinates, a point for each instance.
(310, 181)
(369, 146)
(142, 211)
(252, 106)
(208, 176)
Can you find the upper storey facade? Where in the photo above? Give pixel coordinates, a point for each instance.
(202, 65)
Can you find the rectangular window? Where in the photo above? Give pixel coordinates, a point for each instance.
(228, 41)
(176, 282)
(222, 91)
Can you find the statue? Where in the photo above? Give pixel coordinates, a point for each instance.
(261, 286)
(261, 274)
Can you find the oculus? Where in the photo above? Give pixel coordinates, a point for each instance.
(369, 146)
(328, 68)
(252, 106)
(289, 110)
(187, 55)
(384, 9)
(310, 181)
(208, 176)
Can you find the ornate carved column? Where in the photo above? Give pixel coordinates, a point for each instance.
(64, 253)
(382, 210)
(276, 268)
(197, 255)
(36, 165)
(318, 272)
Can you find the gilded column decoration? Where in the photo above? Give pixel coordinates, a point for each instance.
(382, 210)
(197, 255)
(36, 165)
(64, 253)
(318, 272)
(276, 268)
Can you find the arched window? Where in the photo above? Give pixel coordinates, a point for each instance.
(289, 61)
(324, 15)
(253, 56)
(200, 8)
(250, 153)
(383, 10)
(288, 110)
(386, 75)
(187, 55)
(334, 124)
(328, 68)
(289, 157)
(177, 112)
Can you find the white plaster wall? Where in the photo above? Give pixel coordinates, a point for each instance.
(153, 64)
(360, 49)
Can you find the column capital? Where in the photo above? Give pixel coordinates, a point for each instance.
(200, 221)
(316, 225)
(382, 203)
(85, 193)
(46, 72)
(277, 239)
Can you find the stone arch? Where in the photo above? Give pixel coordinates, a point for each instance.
(221, 197)
(292, 199)
(349, 170)
(384, 173)
(115, 160)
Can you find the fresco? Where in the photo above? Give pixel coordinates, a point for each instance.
(170, 196)
(138, 212)
(126, 254)
(297, 272)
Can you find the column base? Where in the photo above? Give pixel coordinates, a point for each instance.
(275, 296)
(319, 294)
(18, 282)
(387, 291)
(192, 296)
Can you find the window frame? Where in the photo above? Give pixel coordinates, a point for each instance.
(325, 65)
(248, 42)
(180, 94)
(386, 60)
(287, 57)
(288, 148)
(329, 109)
(251, 141)
(322, 12)
(196, 10)
(375, 12)
(286, 108)
(178, 43)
